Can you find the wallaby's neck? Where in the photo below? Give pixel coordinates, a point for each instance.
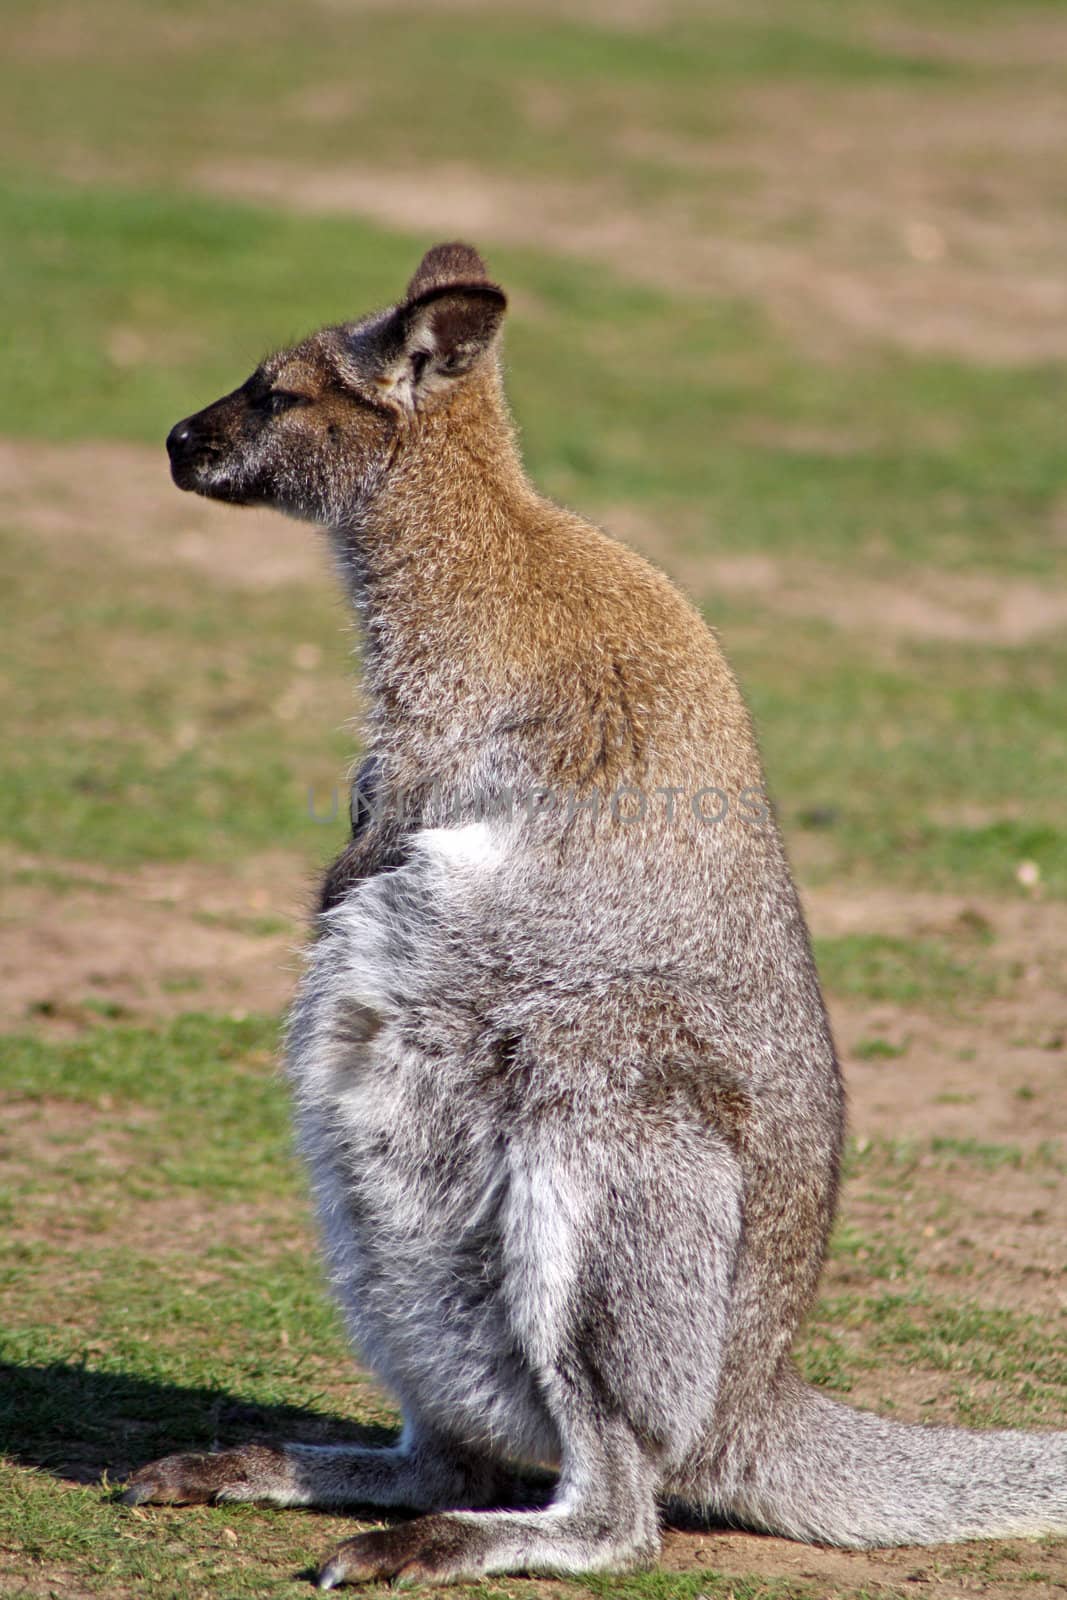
(434, 559)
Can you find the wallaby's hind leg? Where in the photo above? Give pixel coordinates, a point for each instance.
(422, 1473)
(629, 1391)
(603, 1515)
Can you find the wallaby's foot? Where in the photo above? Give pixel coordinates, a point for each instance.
(254, 1472)
(431, 1549)
(468, 1545)
(424, 1474)
(603, 1516)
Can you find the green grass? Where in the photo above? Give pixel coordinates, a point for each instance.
(135, 1325)
(875, 1049)
(911, 1291)
(907, 765)
(513, 93)
(914, 972)
(917, 1331)
(215, 1079)
(179, 742)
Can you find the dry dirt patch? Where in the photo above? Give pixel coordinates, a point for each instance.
(65, 31)
(962, 1070)
(1034, 38)
(986, 1213)
(956, 1571)
(162, 940)
(966, 608)
(995, 1235)
(119, 499)
(154, 942)
(41, 1139)
(921, 212)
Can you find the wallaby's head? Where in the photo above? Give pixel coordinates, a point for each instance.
(314, 429)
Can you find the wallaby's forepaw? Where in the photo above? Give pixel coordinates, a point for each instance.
(428, 1550)
(250, 1473)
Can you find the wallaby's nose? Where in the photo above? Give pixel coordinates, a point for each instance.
(179, 439)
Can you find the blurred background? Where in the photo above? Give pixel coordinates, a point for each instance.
(789, 314)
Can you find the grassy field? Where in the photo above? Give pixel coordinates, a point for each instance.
(788, 315)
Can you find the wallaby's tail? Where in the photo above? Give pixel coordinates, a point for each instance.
(826, 1473)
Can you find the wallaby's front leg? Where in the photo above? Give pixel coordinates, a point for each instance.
(602, 1515)
(423, 1472)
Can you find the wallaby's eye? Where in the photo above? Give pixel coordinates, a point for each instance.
(278, 400)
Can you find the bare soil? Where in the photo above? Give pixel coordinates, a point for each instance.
(963, 1069)
(924, 214)
(118, 499)
(918, 213)
(973, 608)
(155, 942)
(954, 1570)
(989, 1077)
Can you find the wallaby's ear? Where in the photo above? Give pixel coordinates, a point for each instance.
(445, 325)
(447, 263)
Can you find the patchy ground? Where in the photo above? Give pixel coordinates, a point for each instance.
(79, 944)
(118, 500)
(908, 215)
(990, 1069)
(904, 187)
(968, 608)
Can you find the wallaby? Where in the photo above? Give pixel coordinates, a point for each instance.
(562, 1073)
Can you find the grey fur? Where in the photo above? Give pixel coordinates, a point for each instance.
(564, 1084)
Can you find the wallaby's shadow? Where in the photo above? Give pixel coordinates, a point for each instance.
(77, 1423)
